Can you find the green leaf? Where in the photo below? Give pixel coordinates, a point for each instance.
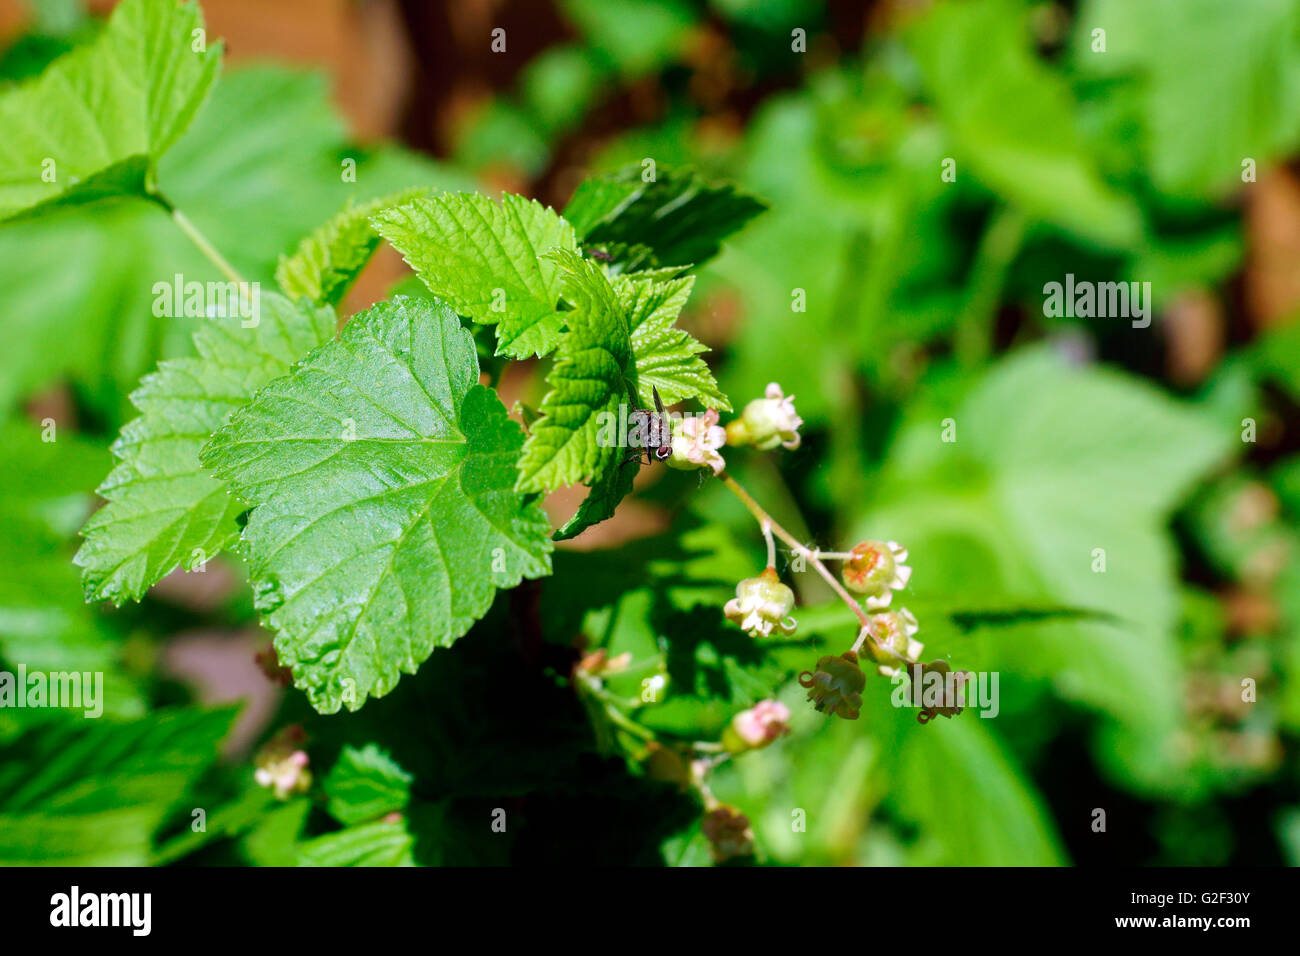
(1202, 123)
(599, 505)
(634, 36)
(973, 805)
(594, 375)
(384, 515)
(366, 784)
(1011, 512)
(163, 509)
(44, 621)
(976, 61)
(681, 216)
(104, 113)
(667, 358)
(371, 844)
(327, 262)
(488, 260)
(269, 136)
(91, 793)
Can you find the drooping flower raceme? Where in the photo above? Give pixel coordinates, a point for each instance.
(767, 422)
(876, 569)
(761, 605)
(696, 441)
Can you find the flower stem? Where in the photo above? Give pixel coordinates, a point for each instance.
(205, 247)
(771, 544)
(766, 522)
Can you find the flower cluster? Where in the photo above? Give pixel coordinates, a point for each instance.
(765, 424)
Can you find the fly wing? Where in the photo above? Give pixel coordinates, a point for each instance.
(661, 432)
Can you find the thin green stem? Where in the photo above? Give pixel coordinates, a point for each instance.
(208, 249)
(997, 250)
(771, 544)
(765, 521)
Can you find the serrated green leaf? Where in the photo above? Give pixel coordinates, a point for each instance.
(365, 784)
(163, 509)
(488, 260)
(667, 358)
(327, 262)
(384, 518)
(269, 136)
(105, 112)
(606, 492)
(679, 215)
(371, 844)
(91, 793)
(594, 374)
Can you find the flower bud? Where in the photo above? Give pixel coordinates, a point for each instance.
(767, 422)
(695, 443)
(757, 727)
(836, 686)
(728, 832)
(761, 605)
(891, 632)
(877, 570)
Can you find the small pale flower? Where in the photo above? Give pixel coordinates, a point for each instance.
(767, 422)
(696, 441)
(757, 727)
(761, 605)
(877, 570)
(284, 774)
(892, 632)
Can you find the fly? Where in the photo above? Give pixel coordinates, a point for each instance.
(654, 432)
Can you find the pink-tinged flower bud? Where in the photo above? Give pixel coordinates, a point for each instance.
(836, 685)
(599, 664)
(728, 832)
(761, 605)
(877, 570)
(767, 422)
(757, 727)
(284, 774)
(696, 441)
(892, 635)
